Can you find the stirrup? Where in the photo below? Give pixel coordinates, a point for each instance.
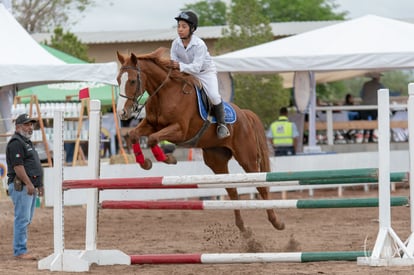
(222, 131)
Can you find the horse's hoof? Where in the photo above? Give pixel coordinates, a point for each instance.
(246, 233)
(170, 159)
(280, 226)
(147, 165)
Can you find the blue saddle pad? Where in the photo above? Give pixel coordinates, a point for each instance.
(229, 114)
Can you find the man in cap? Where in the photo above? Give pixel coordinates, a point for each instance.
(369, 96)
(25, 182)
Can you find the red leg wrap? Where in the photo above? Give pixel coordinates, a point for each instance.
(158, 153)
(139, 156)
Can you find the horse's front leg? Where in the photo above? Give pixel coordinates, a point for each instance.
(134, 137)
(171, 133)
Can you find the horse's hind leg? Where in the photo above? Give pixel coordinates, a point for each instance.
(278, 224)
(217, 159)
(232, 192)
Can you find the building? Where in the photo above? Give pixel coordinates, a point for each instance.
(102, 46)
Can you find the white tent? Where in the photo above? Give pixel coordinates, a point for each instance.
(23, 62)
(334, 52)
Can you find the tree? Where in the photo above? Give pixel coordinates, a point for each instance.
(263, 94)
(70, 44)
(299, 10)
(248, 24)
(210, 13)
(45, 15)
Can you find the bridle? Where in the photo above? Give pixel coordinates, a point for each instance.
(138, 92)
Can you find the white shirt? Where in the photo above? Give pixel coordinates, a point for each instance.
(195, 59)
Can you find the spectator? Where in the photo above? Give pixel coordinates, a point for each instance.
(369, 96)
(349, 101)
(25, 182)
(399, 134)
(283, 135)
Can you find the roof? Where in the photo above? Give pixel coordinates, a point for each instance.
(368, 43)
(154, 35)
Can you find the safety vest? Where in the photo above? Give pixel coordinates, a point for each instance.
(282, 132)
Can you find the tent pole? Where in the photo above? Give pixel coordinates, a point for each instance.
(118, 131)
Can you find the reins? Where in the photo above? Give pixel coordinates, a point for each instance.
(136, 98)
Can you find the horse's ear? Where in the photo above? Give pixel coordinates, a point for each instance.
(134, 59)
(121, 58)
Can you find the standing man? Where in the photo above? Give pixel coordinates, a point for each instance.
(369, 96)
(283, 135)
(25, 182)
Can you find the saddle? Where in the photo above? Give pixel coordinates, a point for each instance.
(205, 108)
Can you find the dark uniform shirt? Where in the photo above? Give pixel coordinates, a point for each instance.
(21, 151)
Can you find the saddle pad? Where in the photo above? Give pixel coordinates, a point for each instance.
(229, 114)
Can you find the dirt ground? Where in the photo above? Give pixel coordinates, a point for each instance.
(212, 231)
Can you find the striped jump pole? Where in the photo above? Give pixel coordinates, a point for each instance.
(236, 258)
(233, 180)
(249, 204)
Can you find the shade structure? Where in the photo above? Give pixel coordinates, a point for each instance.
(335, 52)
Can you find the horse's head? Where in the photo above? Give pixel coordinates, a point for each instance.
(130, 86)
(147, 72)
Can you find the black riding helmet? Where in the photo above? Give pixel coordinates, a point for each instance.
(189, 17)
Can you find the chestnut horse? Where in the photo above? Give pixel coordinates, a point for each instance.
(172, 115)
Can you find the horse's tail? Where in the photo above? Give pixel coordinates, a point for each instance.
(259, 132)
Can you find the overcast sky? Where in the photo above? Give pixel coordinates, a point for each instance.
(110, 15)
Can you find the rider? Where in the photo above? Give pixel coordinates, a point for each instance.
(189, 54)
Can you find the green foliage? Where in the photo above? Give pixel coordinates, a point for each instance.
(43, 16)
(263, 94)
(67, 42)
(210, 13)
(247, 27)
(301, 10)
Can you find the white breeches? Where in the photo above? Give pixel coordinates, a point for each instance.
(210, 85)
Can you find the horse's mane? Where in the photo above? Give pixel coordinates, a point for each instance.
(157, 57)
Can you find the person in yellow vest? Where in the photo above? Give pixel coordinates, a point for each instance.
(283, 135)
(167, 147)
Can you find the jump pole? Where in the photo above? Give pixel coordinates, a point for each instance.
(249, 204)
(388, 249)
(301, 177)
(235, 258)
(345, 176)
(79, 260)
(61, 259)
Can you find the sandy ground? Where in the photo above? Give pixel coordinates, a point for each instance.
(213, 231)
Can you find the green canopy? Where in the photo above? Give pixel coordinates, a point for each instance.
(58, 92)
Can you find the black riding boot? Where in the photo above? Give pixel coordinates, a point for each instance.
(222, 131)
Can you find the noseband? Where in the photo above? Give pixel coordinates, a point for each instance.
(138, 90)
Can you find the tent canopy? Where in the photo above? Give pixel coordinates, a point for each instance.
(57, 92)
(335, 52)
(23, 62)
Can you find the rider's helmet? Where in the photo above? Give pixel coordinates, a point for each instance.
(189, 17)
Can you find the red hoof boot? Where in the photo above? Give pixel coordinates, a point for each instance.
(147, 165)
(170, 159)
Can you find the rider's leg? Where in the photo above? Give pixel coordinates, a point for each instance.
(222, 130)
(210, 84)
